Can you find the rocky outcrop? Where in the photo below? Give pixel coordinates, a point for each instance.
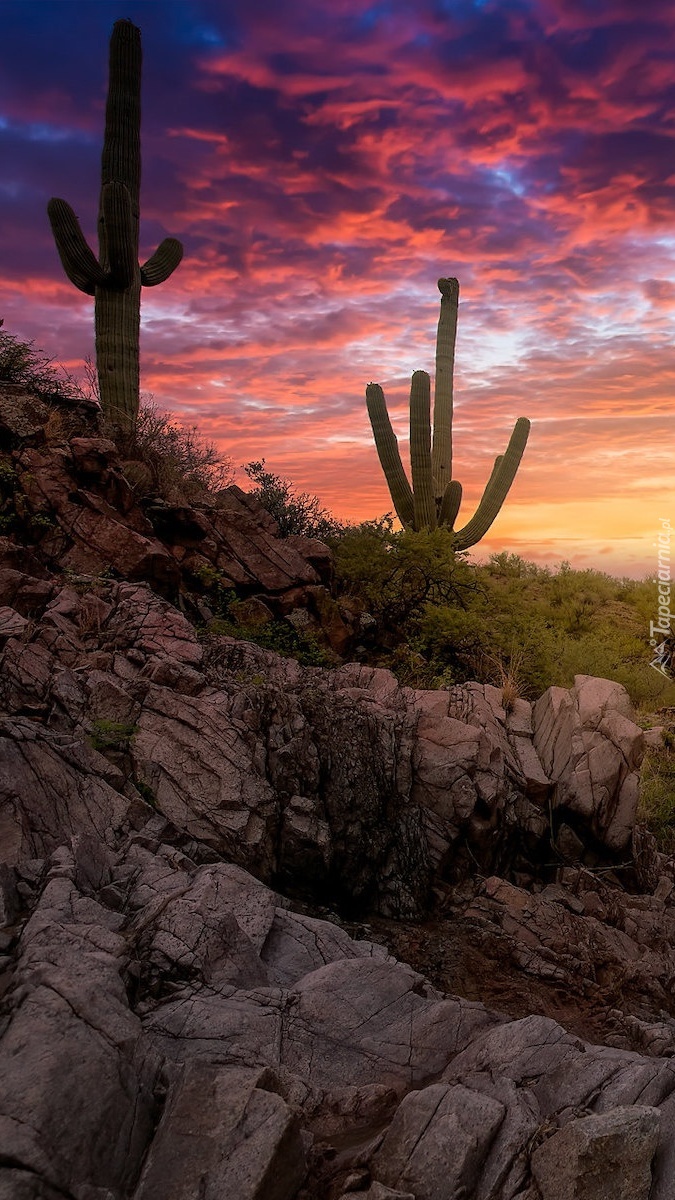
(341, 784)
(489, 1010)
(171, 1028)
(153, 785)
(591, 750)
(604, 1155)
(66, 493)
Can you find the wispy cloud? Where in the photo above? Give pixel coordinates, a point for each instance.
(323, 166)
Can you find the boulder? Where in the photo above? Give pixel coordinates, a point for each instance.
(591, 749)
(606, 1156)
(174, 1028)
(224, 1133)
(78, 1102)
(438, 1142)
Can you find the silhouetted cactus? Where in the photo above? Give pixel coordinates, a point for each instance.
(115, 278)
(435, 497)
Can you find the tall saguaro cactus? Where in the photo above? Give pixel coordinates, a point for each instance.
(433, 500)
(115, 278)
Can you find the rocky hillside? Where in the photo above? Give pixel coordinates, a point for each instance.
(275, 932)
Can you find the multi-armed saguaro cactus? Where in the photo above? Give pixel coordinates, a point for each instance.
(115, 278)
(435, 497)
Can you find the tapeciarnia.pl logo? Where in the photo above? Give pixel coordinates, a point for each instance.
(665, 650)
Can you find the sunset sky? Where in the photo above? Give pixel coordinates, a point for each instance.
(323, 164)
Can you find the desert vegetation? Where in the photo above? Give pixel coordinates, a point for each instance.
(434, 498)
(296, 513)
(437, 618)
(25, 364)
(449, 620)
(115, 278)
(440, 619)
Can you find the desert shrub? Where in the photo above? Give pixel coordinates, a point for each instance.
(395, 575)
(455, 640)
(8, 487)
(21, 362)
(575, 597)
(180, 464)
(278, 636)
(217, 588)
(163, 457)
(656, 805)
(111, 735)
(507, 649)
(294, 512)
(507, 622)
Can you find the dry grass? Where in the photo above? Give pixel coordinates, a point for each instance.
(656, 804)
(507, 673)
(174, 461)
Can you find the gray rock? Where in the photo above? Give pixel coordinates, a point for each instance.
(77, 1102)
(591, 749)
(377, 1191)
(438, 1142)
(52, 787)
(25, 1185)
(600, 1157)
(223, 1134)
(140, 960)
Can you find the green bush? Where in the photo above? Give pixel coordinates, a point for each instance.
(111, 735)
(441, 620)
(396, 575)
(294, 512)
(220, 592)
(279, 636)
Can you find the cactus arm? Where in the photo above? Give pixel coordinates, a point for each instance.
(420, 451)
(386, 444)
(497, 487)
(441, 455)
(452, 498)
(115, 221)
(162, 263)
(495, 467)
(79, 261)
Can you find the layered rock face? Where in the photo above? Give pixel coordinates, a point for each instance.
(339, 781)
(175, 1026)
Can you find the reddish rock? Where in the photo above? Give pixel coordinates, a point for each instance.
(23, 416)
(316, 553)
(84, 516)
(91, 455)
(251, 613)
(334, 629)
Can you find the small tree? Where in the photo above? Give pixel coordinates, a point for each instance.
(294, 512)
